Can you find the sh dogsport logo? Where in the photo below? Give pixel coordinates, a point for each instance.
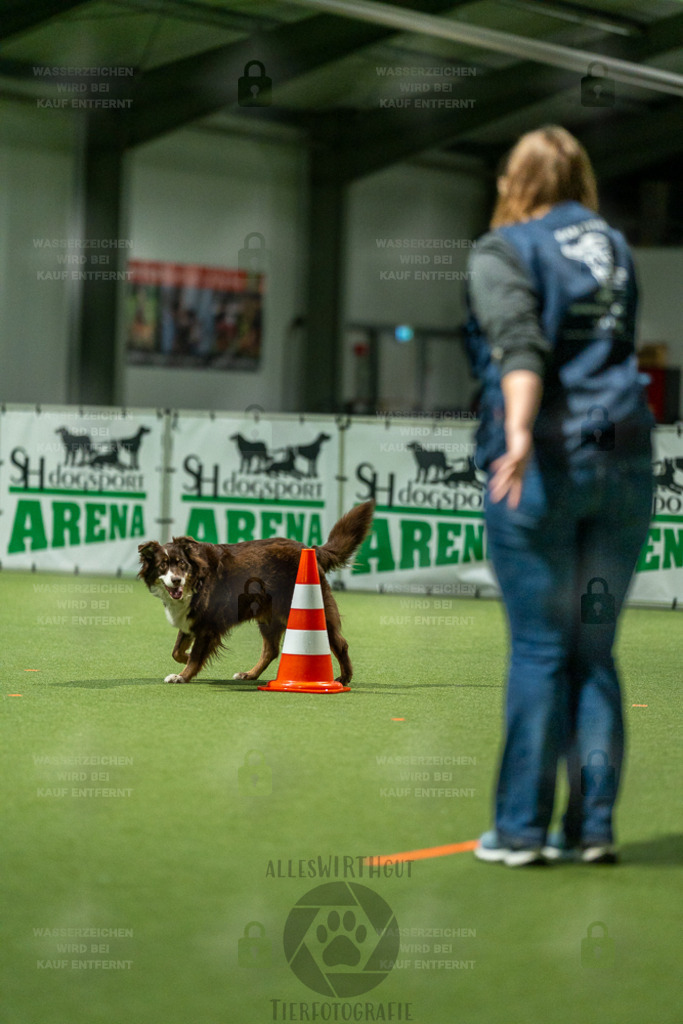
(290, 471)
(88, 463)
(668, 479)
(437, 484)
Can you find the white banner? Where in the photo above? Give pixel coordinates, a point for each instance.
(246, 477)
(78, 490)
(659, 575)
(429, 536)
(428, 533)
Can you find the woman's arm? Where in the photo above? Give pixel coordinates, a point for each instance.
(506, 306)
(522, 390)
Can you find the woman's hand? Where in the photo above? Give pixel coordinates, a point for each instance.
(508, 470)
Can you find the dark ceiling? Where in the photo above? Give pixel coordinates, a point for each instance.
(335, 80)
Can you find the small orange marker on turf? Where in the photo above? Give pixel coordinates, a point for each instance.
(638, 705)
(306, 660)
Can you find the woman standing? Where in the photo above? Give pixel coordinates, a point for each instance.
(565, 438)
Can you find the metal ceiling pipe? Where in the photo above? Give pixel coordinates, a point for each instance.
(405, 20)
(577, 16)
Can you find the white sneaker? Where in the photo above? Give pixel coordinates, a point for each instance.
(492, 851)
(605, 853)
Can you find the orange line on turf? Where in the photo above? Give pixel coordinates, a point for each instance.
(14, 694)
(31, 670)
(638, 705)
(430, 851)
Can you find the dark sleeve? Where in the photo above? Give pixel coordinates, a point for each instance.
(507, 307)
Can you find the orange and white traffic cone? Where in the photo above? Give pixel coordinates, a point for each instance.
(306, 661)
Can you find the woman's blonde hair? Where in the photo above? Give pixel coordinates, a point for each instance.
(544, 167)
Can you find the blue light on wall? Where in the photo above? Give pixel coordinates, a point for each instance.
(404, 333)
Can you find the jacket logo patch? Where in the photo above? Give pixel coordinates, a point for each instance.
(593, 249)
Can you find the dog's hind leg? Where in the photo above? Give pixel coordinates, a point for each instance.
(340, 649)
(272, 635)
(338, 644)
(182, 643)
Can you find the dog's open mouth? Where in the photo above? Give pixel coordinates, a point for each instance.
(175, 592)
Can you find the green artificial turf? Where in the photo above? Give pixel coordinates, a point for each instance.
(189, 852)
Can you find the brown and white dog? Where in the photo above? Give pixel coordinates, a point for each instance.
(207, 589)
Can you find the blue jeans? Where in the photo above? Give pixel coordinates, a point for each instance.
(563, 697)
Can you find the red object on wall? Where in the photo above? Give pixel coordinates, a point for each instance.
(664, 393)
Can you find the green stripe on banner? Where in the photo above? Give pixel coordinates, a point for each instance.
(253, 501)
(407, 510)
(139, 495)
(400, 510)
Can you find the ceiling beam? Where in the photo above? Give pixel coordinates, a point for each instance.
(376, 139)
(542, 51)
(660, 36)
(200, 14)
(176, 94)
(579, 14)
(379, 138)
(20, 16)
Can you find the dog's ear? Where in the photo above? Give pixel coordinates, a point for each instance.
(148, 549)
(194, 553)
(147, 552)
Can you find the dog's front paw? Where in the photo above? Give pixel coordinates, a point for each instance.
(242, 675)
(174, 679)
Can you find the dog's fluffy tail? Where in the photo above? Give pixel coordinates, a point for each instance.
(346, 537)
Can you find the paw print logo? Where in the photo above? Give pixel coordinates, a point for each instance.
(342, 949)
(341, 939)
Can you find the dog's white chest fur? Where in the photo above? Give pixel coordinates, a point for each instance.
(176, 611)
